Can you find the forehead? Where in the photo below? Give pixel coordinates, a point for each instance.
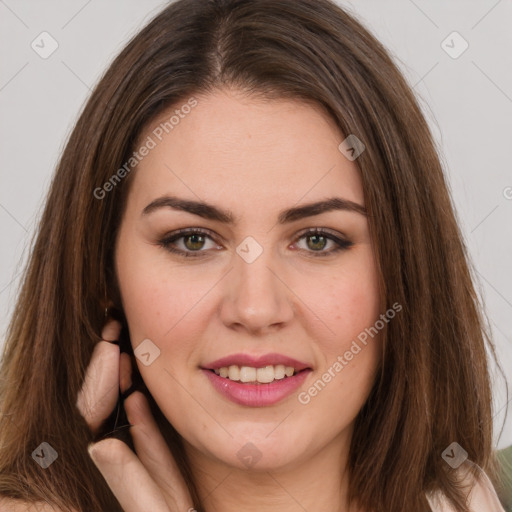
(245, 151)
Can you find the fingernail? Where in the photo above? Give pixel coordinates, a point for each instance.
(91, 449)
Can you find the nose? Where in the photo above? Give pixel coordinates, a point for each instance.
(256, 298)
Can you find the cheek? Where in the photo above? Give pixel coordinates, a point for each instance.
(346, 300)
(348, 367)
(348, 303)
(160, 298)
(354, 306)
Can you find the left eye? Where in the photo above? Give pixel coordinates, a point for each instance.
(317, 240)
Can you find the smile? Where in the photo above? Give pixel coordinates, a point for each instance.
(248, 374)
(256, 381)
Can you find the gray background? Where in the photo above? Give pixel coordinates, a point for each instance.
(467, 100)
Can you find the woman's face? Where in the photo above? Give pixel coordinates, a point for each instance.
(256, 287)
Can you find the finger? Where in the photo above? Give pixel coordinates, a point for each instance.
(111, 331)
(98, 395)
(153, 452)
(125, 372)
(126, 476)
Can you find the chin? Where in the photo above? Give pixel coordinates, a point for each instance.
(258, 451)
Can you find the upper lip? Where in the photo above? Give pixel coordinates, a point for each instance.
(256, 361)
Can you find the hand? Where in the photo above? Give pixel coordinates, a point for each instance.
(148, 479)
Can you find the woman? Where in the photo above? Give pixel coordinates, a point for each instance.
(250, 237)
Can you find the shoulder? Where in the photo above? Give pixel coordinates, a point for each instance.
(481, 494)
(12, 505)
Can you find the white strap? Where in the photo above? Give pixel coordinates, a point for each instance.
(482, 497)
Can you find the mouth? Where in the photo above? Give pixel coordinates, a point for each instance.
(256, 381)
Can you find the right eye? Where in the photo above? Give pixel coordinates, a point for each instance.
(187, 242)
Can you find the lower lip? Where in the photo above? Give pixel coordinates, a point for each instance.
(256, 395)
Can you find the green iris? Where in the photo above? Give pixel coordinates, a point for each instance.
(318, 239)
(197, 242)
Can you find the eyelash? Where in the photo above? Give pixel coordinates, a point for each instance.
(166, 242)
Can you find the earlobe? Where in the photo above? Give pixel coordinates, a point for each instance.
(111, 310)
(107, 305)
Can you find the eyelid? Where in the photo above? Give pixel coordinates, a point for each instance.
(193, 230)
(324, 231)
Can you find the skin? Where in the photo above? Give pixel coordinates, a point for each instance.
(255, 159)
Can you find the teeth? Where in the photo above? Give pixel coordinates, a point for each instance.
(247, 374)
(263, 375)
(234, 372)
(279, 371)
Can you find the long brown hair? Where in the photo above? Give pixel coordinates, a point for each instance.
(433, 387)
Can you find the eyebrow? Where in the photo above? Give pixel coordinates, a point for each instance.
(208, 211)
